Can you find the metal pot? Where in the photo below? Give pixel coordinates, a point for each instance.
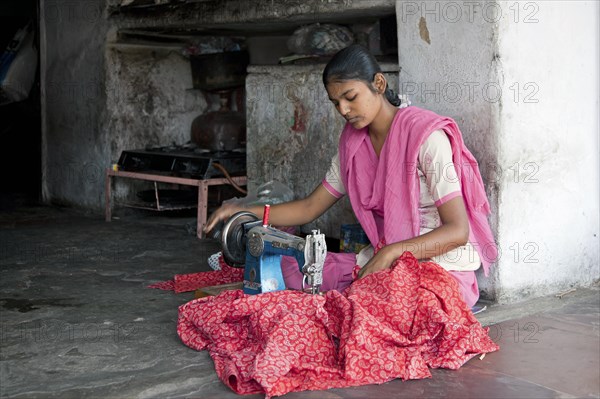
(223, 130)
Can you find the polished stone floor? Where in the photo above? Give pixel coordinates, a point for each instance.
(77, 321)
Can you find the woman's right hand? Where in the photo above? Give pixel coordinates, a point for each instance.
(223, 213)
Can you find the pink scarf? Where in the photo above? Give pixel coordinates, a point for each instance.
(400, 188)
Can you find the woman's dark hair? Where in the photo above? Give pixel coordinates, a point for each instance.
(356, 63)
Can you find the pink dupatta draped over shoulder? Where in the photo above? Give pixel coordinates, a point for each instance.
(400, 188)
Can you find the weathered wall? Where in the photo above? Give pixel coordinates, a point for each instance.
(150, 101)
(293, 132)
(99, 98)
(250, 15)
(525, 94)
(74, 149)
(548, 216)
(102, 98)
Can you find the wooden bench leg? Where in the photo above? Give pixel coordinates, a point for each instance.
(202, 207)
(107, 195)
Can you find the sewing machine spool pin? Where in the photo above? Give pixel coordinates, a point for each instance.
(266, 215)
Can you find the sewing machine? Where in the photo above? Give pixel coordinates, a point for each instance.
(251, 243)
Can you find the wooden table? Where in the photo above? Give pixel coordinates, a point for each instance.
(202, 185)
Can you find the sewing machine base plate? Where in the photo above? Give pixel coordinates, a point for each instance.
(217, 289)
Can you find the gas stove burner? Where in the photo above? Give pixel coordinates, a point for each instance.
(162, 149)
(190, 146)
(219, 154)
(185, 162)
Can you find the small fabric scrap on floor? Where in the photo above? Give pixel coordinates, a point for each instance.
(396, 323)
(193, 281)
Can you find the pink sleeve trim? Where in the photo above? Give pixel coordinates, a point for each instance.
(447, 198)
(331, 190)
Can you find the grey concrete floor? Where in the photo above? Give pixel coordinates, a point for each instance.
(78, 321)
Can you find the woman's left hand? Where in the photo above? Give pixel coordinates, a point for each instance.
(382, 260)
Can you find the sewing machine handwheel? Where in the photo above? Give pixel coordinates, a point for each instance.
(233, 238)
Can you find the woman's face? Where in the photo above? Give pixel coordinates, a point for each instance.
(355, 101)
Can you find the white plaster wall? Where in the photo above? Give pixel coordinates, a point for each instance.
(447, 53)
(548, 213)
(531, 121)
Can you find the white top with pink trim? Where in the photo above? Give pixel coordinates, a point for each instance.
(439, 183)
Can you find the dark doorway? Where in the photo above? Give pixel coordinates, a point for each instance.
(20, 121)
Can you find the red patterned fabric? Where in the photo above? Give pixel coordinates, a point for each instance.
(193, 281)
(392, 324)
